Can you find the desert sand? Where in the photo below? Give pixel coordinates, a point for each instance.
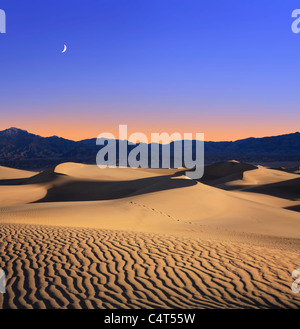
(77, 236)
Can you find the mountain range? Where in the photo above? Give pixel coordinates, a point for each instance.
(21, 149)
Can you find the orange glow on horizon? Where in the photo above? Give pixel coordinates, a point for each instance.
(78, 131)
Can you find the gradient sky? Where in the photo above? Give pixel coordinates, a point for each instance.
(228, 68)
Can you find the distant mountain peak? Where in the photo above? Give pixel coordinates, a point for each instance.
(12, 131)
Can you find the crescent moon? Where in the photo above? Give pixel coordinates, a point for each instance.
(65, 49)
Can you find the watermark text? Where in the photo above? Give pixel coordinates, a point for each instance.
(296, 22)
(2, 21)
(135, 151)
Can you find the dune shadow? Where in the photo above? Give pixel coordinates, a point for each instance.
(221, 182)
(14, 181)
(46, 176)
(294, 208)
(90, 190)
(289, 189)
(219, 174)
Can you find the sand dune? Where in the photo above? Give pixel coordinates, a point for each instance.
(12, 188)
(167, 203)
(294, 170)
(289, 189)
(227, 168)
(14, 195)
(76, 236)
(274, 187)
(10, 173)
(83, 171)
(242, 176)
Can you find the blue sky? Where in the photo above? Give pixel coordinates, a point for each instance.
(226, 68)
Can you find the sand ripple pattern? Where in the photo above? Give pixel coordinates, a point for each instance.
(60, 267)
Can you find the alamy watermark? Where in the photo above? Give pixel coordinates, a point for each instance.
(135, 151)
(2, 21)
(296, 283)
(2, 282)
(296, 22)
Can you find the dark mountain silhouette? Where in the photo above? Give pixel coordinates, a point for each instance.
(21, 149)
(18, 144)
(277, 145)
